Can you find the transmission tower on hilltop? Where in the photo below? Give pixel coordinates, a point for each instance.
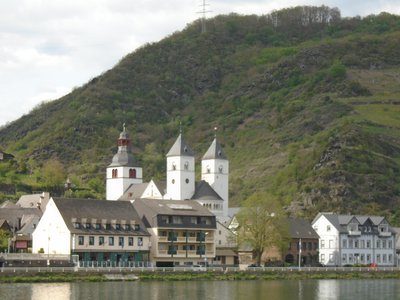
(204, 11)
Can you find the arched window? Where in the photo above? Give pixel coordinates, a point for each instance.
(114, 173)
(132, 173)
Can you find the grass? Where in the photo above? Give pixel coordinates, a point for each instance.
(382, 114)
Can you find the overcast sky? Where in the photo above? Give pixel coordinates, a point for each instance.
(48, 47)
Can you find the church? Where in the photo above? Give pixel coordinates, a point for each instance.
(124, 178)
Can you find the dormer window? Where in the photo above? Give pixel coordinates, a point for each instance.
(77, 225)
(118, 226)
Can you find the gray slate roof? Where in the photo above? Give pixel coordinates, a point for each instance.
(124, 156)
(203, 191)
(215, 151)
(89, 209)
(153, 207)
(134, 191)
(180, 148)
(300, 228)
(340, 222)
(16, 216)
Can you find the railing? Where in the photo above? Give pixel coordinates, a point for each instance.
(34, 256)
(136, 269)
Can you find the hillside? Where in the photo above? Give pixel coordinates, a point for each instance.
(306, 102)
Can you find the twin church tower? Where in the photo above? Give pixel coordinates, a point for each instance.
(124, 174)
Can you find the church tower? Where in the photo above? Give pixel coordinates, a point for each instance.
(215, 171)
(123, 170)
(180, 171)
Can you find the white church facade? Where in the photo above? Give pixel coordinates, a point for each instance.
(125, 176)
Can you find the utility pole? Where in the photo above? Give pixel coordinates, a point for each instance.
(203, 11)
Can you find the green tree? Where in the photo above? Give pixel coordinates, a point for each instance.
(53, 173)
(262, 224)
(4, 236)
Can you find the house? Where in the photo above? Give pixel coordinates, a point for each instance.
(21, 222)
(352, 239)
(34, 201)
(303, 243)
(225, 246)
(182, 231)
(95, 230)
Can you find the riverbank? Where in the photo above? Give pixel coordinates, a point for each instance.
(195, 276)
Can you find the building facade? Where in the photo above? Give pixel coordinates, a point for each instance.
(97, 231)
(182, 232)
(350, 239)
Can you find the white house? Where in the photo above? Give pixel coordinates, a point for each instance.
(95, 230)
(351, 239)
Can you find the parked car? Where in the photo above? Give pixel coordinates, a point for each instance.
(198, 268)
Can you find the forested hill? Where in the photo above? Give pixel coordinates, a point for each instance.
(306, 102)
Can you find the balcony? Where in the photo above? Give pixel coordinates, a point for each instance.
(385, 233)
(182, 254)
(354, 232)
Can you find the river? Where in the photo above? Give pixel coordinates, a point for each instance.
(387, 289)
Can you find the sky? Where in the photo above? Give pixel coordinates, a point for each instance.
(48, 47)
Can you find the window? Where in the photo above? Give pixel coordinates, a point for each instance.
(187, 180)
(390, 258)
(344, 258)
(362, 256)
(220, 168)
(108, 226)
(114, 173)
(173, 166)
(127, 227)
(378, 258)
(81, 240)
(344, 243)
(101, 240)
(117, 226)
(132, 173)
(368, 244)
(356, 243)
(384, 258)
(350, 244)
(137, 227)
(378, 243)
(97, 226)
(330, 244)
(362, 244)
(91, 240)
(350, 258)
(390, 245)
(368, 258)
(140, 241)
(111, 241)
(309, 246)
(328, 228)
(384, 244)
(322, 258)
(121, 241)
(77, 225)
(130, 241)
(186, 165)
(208, 169)
(322, 244)
(87, 226)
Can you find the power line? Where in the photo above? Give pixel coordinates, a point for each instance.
(204, 11)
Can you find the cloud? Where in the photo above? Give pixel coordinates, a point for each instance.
(49, 46)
